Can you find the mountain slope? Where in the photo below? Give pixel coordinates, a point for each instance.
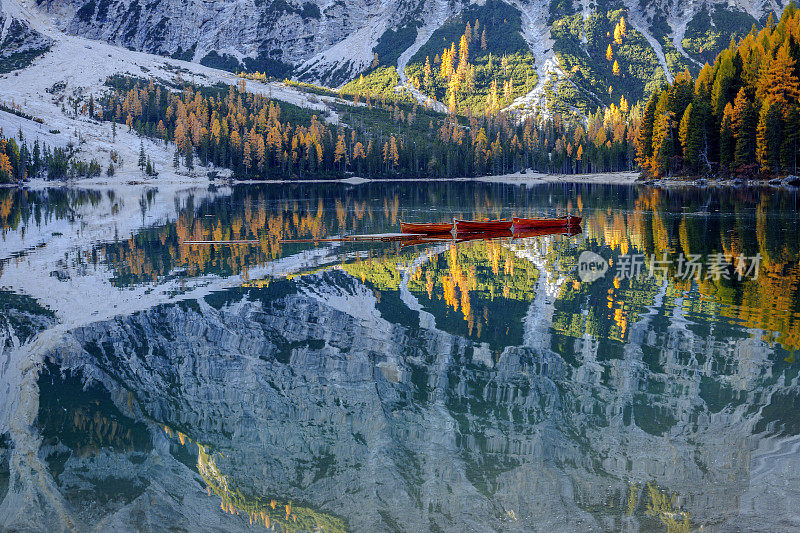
(19, 43)
(60, 73)
(332, 43)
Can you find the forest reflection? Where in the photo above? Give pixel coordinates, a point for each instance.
(470, 277)
(275, 389)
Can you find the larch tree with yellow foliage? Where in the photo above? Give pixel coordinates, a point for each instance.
(734, 117)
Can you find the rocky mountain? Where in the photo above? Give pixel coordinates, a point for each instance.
(579, 57)
(19, 43)
(345, 394)
(305, 395)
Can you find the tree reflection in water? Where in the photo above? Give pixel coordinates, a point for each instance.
(443, 385)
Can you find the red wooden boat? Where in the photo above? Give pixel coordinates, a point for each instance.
(425, 229)
(524, 233)
(476, 226)
(525, 223)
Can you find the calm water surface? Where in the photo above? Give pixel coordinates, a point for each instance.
(481, 385)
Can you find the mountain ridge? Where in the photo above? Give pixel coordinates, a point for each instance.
(332, 43)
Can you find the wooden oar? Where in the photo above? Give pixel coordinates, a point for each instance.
(384, 237)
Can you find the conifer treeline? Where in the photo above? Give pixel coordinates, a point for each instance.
(260, 138)
(741, 116)
(19, 162)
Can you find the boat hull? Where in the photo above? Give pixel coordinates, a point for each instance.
(529, 223)
(477, 226)
(427, 229)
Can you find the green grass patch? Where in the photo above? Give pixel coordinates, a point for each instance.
(380, 83)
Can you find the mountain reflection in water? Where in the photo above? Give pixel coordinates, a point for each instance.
(476, 385)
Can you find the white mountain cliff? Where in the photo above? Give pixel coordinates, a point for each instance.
(332, 42)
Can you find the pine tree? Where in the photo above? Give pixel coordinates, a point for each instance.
(6, 172)
(617, 34)
(778, 80)
(609, 53)
(684, 134)
(663, 143)
(261, 150)
(508, 90)
(176, 159)
(483, 40)
(644, 138)
(493, 100)
(394, 157)
(463, 53)
(727, 141)
(724, 84)
(694, 141)
(769, 136)
(142, 157)
(446, 66)
(247, 155)
(339, 154)
(426, 74)
(791, 140)
(745, 120)
(36, 159)
(615, 68)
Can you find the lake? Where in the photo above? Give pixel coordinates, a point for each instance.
(638, 375)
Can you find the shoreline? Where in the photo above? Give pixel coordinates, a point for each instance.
(172, 179)
(528, 179)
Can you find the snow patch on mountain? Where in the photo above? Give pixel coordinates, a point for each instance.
(77, 68)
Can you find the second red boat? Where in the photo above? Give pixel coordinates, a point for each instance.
(426, 229)
(473, 226)
(525, 223)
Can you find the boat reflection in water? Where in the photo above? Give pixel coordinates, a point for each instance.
(297, 381)
(466, 236)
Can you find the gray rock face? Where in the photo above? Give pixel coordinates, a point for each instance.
(19, 43)
(304, 392)
(266, 35)
(791, 181)
(331, 42)
(21, 318)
